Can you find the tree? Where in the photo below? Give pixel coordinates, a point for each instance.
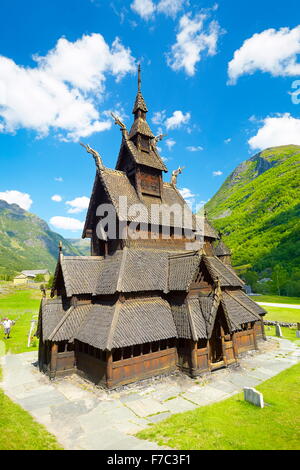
(279, 277)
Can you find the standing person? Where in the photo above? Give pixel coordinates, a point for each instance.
(7, 324)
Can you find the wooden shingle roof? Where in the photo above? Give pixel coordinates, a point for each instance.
(51, 313)
(136, 321)
(70, 323)
(150, 158)
(182, 269)
(224, 273)
(116, 184)
(240, 309)
(140, 126)
(181, 319)
(80, 273)
(220, 249)
(139, 103)
(133, 271)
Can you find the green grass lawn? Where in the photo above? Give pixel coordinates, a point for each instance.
(234, 424)
(288, 333)
(19, 431)
(19, 305)
(288, 315)
(276, 299)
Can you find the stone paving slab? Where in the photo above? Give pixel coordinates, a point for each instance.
(225, 386)
(84, 417)
(42, 399)
(146, 407)
(242, 380)
(179, 404)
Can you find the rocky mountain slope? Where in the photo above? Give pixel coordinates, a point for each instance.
(26, 241)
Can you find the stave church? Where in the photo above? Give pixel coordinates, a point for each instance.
(144, 304)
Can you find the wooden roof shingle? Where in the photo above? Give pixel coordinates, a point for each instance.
(136, 321)
(225, 273)
(80, 273)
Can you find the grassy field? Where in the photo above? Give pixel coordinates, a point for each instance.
(20, 306)
(276, 299)
(288, 315)
(19, 431)
(236, 425)
(288, 333)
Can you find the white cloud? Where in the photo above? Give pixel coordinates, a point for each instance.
(270, 51)
(170, 143)
(192, 40)
(61, 92)
(170, 7)
(217, 173)
(275, 131)
(78, 204)
(193, 148)
(16, 197)
(186, 193)
(66, 223)
(159, 117)
(144, 8)
(177, 119)
(56, 198)
(227, 141)
(59, 179)
(147, 8)
(189, 198)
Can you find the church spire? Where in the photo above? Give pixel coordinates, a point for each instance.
(139, 79)
(139, 104)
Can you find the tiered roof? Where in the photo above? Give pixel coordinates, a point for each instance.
(139, 295)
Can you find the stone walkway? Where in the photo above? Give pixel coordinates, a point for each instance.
(83, 416)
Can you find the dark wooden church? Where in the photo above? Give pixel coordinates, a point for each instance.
(144, 306)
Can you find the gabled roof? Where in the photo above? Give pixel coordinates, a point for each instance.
(151, 158)
(116, 184)
(140, 126)
(220, 249)
(135, 321)
(80, 273)
(51, 313)
(133, 270)
(240, 309)
(70, 323)
(224, 273)
(182, 269)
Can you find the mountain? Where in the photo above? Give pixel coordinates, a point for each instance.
(257, 210)
(26, 241)
(83, 245)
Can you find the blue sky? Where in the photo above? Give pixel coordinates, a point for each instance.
(217, 78)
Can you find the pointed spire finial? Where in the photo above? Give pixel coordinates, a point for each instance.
(60, 246)
(139, 77)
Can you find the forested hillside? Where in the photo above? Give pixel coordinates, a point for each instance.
(257, 209)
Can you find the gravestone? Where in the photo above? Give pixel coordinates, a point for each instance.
(278, 330)
(254, 397)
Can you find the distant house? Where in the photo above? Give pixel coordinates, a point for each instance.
(26, 277)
